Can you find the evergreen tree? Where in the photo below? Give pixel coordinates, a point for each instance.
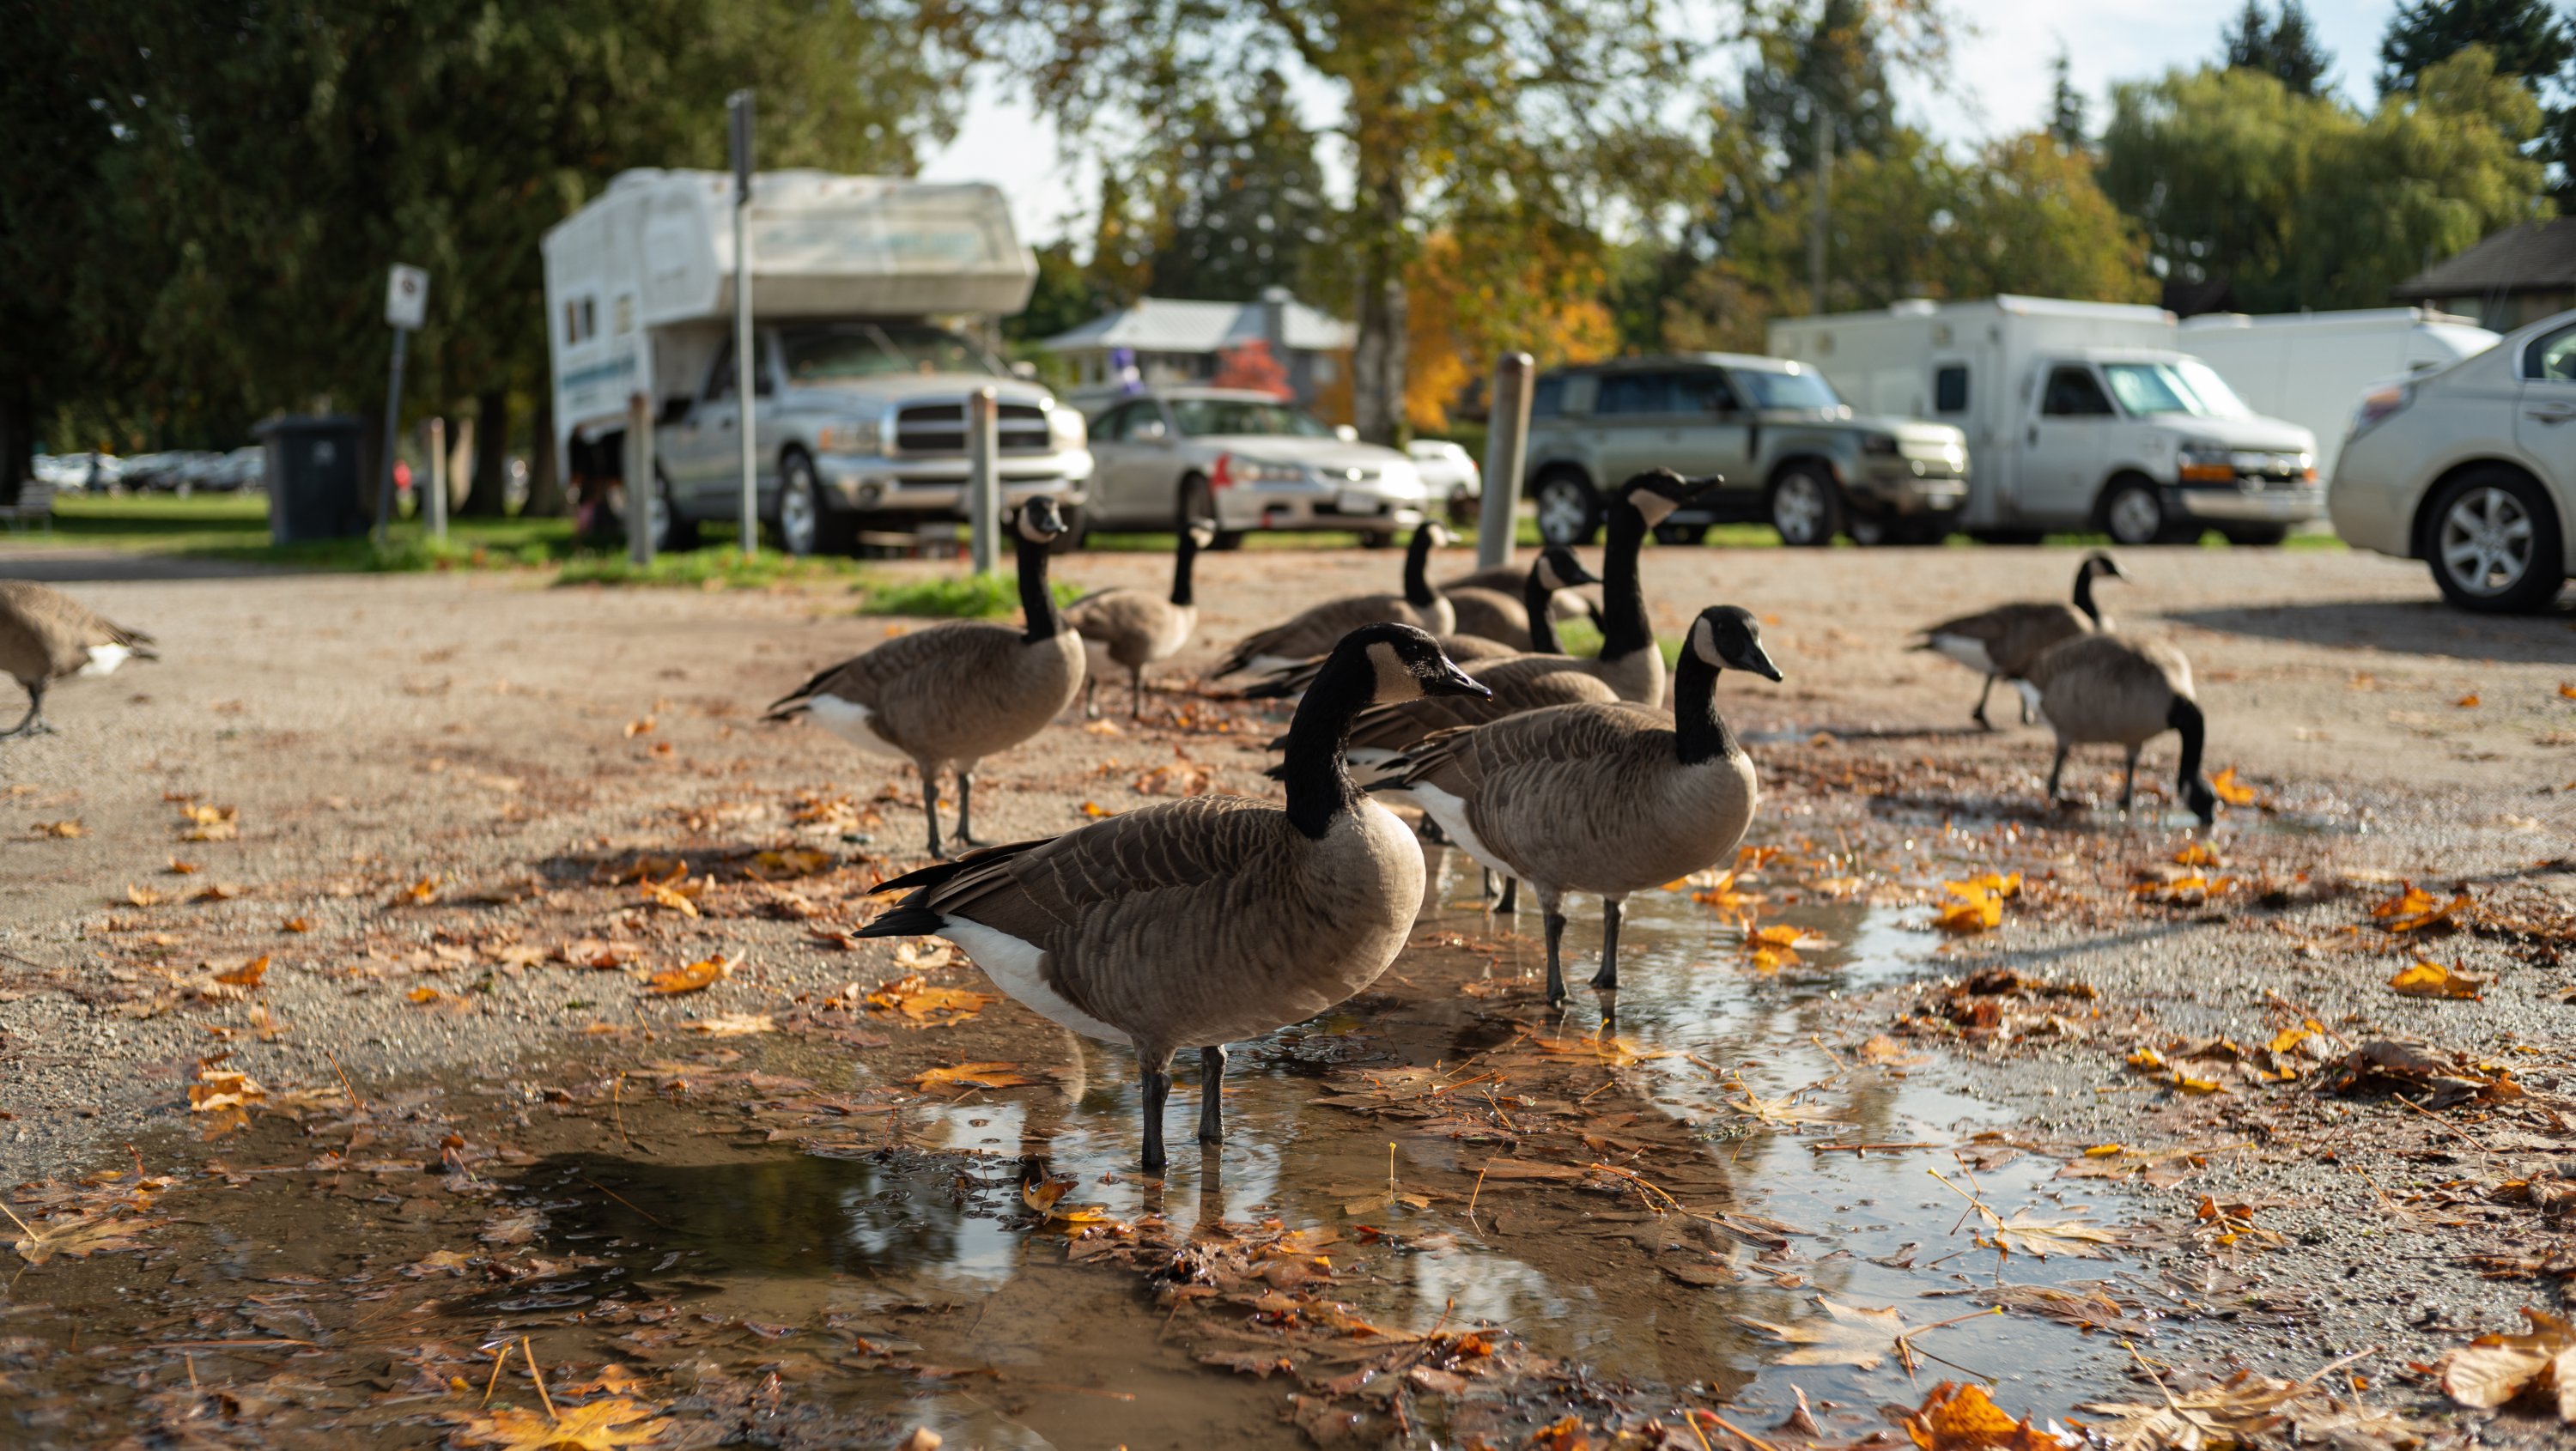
(2067, 122)
(2283, 47)
(1247, 202)
(2527, 37)
(1835, 58)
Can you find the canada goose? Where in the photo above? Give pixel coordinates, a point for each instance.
(948, 696)
(1132, 627)
(2109, 688)
(1318, 629)
(1506, 580)
(1630, 667)
(46, 635)
(1607, 799)
(1211, 918)
(1554, 570)
(2002, 642)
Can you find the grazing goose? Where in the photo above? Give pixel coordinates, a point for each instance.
(1555, 569)
(2110, 689)
(1607, 799)
(1505, 579)
(2002, 642)
(1201, 921)
(948, 696)
(1521, 617)
(1318, 629)
(46, 635)
(1132, 627)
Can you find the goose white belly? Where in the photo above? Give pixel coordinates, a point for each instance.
(852, 722)
(1177, 626)
(1968, 652)
(1451, 812)
(1096, 659)
(1019, 968)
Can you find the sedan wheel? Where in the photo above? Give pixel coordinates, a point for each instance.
(2495, 544)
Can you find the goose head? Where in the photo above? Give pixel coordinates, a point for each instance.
(1726, 637)
(1040, 520)
(2203, 801)
(1559, 569)
(2098, 565)
(1656, 493)
(1406, 664)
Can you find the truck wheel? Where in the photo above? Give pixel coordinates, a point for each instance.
(1805, 507)
(2494, 543)
(807, 524)
(663, 520)
(2133, 513)
(1198, 504)
(1569, 512)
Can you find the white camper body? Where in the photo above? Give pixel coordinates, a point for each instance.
(2079, 416)
(2312, 368)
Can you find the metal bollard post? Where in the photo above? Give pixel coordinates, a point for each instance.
(639, 479)
(1506, 454)
(984, 477)
(436, 499)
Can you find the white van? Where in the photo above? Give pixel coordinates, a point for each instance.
(2312, 368)
(2079, 416)
(861, 373)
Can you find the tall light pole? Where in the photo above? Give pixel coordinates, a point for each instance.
(1824, 185)
(746, 369)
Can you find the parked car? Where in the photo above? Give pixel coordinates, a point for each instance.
(1449, 476)
(1245, 461)
(2472, 470)
(71, 473)
(1793, 455)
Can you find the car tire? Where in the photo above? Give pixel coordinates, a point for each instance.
(671, 530)
(1569, 509)
(807, 524)
(1198, 502)
(2494, 543)
(2255, 536)
(2133, 513)
(1805, 507)
(1684, 534)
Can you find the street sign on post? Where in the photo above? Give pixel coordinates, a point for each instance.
(1506, 454)
(747, 373)
(406, 305)
(984, 478)
(640, 481)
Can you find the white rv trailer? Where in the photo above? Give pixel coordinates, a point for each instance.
(859, 396)
(2079, 416)
(2312, 368)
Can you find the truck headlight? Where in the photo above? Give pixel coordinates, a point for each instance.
(2198, 463)
(864, 437)
(1064, 428)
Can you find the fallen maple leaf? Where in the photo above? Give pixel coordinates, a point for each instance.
(2433, 980)
(2230, 790)
(296, 924)
(2198, 854)
(1957, 1417)
(81, 1238)
(209, 823)
(972, 1075)
(692, 978)
(732, 1025)
(59, 828)
(424, 995)
(1044, 1194)
(143, 896)
(642, 727)
(922, 1006)
(1862, 1339)
(222, 1088)
(601, 1425)
(246, 975)
(671, 895)
(2415, 910)
(2040, 1238)
(2468, 701)
(793, 862)
(2493, 1369)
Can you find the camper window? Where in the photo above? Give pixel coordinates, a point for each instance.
(2073, 393)
(720, 377)
(1950, 388)
(581, 320)
(877, 350)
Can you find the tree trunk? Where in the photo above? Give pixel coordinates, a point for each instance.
(1378, 356)
(17, 442)
(545, 470)
(490, 496)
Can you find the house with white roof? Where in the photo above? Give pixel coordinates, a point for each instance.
(1168, 340)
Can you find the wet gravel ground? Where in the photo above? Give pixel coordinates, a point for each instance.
(423, 773)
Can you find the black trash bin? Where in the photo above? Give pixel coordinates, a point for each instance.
(313, 483)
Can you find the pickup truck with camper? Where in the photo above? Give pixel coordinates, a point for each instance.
(2079, 416)
(865, 293)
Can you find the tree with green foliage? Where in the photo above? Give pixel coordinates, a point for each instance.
(1243, 201)
(2527, 38)
(2069, 125)
(1835, 57)
(2284, 47)
(2301, 202)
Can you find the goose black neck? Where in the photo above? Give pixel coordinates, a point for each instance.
(1319, 786)
(1036, 601)
(1183, 564)
(2185, 717)
(1699, 733)
(1536, 596)
(1417, 561)
(1624, 629)
(2084, 594)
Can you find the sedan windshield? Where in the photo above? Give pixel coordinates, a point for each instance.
(1200, 417)
(2189, 386)
(877, 350)
(1801, 390)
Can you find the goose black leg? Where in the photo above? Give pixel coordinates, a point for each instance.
(1090, 697)
(1136, 698)
(33, 722)
(930, 808)
(965, 806)
(2129, 779)
(1212, 1095)
(1554, 921)
(1158, 1092)
(1607, 979)
(1979, 714)
(1510, 900)
(2055, 770)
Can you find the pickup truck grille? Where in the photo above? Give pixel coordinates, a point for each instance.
(940, 428)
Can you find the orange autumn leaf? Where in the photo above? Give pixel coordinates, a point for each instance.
(296, 924)
(1979, 905)
(246, 975)
(695, 977)
(60, 828)
(972, 1075)
(2198, 854)
(143, 896)
(2468, 701)
(1957, 1417)
(642, 727)
(2568, 690)
(209, 823)
(424, 995)
(420, 893)
(222, 1088)
(918, 1004)
(2415, 910)
(2433, 980)
(672, 897)
(792, 862)
(2231, 790)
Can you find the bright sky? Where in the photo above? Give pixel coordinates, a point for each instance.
(1999, 83)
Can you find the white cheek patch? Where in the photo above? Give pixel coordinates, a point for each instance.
(1704, 643)
(1394, 682)
(1651, 504)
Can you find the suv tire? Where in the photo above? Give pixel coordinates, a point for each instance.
(671, 530)
(2134, 513)
(2494, 543)
(1198, 501)
(1569, 509)
(1805, 507)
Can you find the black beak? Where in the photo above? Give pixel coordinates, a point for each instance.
(1693, 488)
(1453, 681)
(1754, 659)
(1578, 576)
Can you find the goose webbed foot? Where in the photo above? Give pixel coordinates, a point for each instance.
(965, 836)
(1607, 979)
(33, 722)
(1212, 1095)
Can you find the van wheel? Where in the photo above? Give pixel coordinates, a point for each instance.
(2133, 513)
(1569, 512)
(1198, 504)
(1805, 508)
(2494, 543)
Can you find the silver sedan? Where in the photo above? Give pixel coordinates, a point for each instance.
(1246, 461)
